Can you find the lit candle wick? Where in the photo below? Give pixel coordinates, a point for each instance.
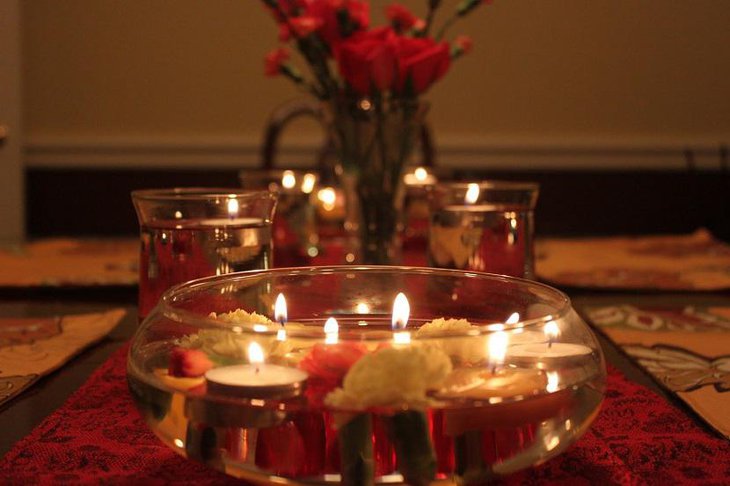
(551, 331)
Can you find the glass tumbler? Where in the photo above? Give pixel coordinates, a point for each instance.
(485, 226)
(296, 239)
(188, 233)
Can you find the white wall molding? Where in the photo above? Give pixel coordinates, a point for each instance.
(517, 153)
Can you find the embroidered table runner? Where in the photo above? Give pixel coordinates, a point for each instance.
(60, 262)
(687, 262)
(97, 436)
(33, 347)
(686, 350)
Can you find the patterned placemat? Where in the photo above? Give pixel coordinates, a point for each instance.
(686, 350)
(97, 436)
(695, 262)
(33, 347)
(59, 262)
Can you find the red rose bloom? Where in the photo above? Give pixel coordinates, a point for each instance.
(327, 365)
(421, 62)
(464, 43)
(330, 13)
(400, 17)
(367, 60)
(274, 60)
(300, 26)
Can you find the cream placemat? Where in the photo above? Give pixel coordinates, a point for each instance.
(686, 350)
(58, 262)
(33, 347)
(696, 261)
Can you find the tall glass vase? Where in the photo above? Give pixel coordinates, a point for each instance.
(374, 139)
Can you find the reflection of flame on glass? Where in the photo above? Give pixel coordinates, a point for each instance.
(421, 174)
(514, 318)
(288, 180)
(308, 183)
(362, 308)
(178, 215)
(552, 381)
(255, 353)
(472, 193)
(365, 104)
(327, 197)
(232, 206)
(260, 328)
(331, 328)
(280, 309)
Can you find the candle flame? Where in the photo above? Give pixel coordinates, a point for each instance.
(514, 318)
(551, 330)
(308, 183)
(288, 180)
(280, 315)
(420, 174)
(401, 312)
(331, 328)
(362, 308)
(327, 197)
(255, 353)
(232, 206)
(472, 193)
(497, 347)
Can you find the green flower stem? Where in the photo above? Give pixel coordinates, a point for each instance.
(413, 448)
(469, 461)
(356, 451)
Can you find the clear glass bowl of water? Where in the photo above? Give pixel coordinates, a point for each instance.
(363, 375)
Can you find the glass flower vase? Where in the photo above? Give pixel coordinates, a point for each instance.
(373, 139)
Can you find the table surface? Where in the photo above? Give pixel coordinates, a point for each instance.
(21, 415)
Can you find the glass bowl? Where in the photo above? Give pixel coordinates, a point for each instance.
(473, 377)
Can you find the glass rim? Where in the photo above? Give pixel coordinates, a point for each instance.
(492, 184)
(200, 194)
(169, 310)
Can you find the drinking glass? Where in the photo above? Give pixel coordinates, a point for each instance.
(485, 226)
(295, 234)
(188, 233)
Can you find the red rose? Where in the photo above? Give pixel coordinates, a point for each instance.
(188, 363)
(274, 60)
(367, 60)
(300, 26)
(401, 18)
(464, 44)
(327, 365)
(340, 18)
(421, 62)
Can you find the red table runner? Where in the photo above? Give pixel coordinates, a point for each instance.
(97, 436)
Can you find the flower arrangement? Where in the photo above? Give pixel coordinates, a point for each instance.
(370, 81)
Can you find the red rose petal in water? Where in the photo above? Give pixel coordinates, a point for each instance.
(188, 363)
(327, 365)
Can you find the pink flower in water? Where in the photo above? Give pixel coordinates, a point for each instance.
(188, 363)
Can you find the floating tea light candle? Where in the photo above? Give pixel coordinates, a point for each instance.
(419, 177)
(256, 379)
(551, 354)
(399, 320)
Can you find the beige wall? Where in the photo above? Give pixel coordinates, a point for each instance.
(593, 72)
